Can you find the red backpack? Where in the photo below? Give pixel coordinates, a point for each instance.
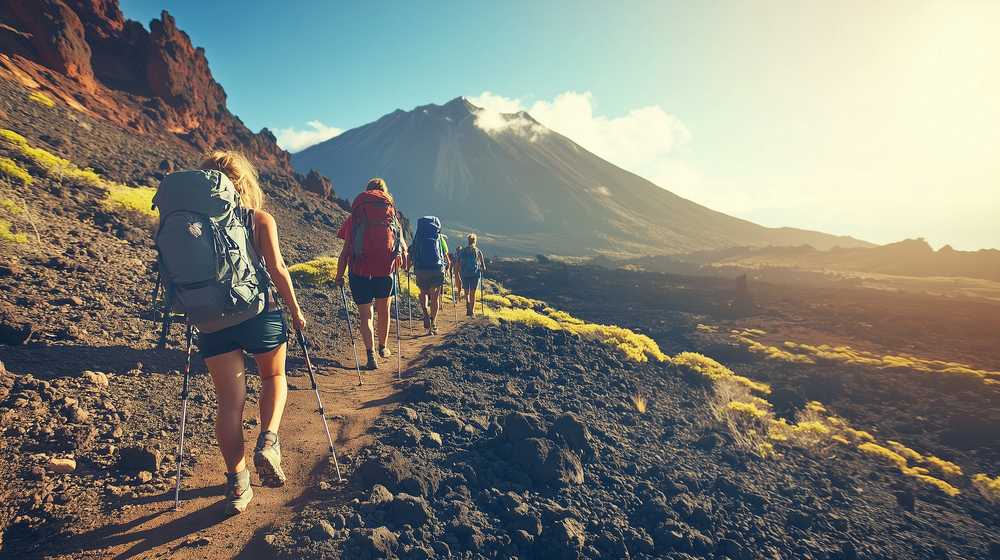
(376, 236)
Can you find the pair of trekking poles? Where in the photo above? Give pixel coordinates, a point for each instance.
(304, 343)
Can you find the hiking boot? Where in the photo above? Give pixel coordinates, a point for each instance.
(267, 459)
(434, 327)
(384, 352)
(372, 362)
(238, 492)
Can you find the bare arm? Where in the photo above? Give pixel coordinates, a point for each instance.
(269, 250)
(341, 264)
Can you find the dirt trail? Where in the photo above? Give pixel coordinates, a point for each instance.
(154, 530)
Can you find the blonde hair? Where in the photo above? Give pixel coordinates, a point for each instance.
(472, 240)
(379, 184)
(241, 172)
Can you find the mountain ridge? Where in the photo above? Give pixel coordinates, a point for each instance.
(525, 188)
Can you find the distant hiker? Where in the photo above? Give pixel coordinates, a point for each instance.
(430, 261)
(218, 209)
(374, 250)
(471, 266)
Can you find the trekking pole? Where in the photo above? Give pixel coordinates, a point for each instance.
(350, 327)
(399, 356)
(184, 407)
(409, 306)
(454, 297)
(482, 289)
(322, 412)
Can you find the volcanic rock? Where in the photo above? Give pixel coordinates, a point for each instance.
(135, 459)
(62, 465)
(365, 544)
(316, 183)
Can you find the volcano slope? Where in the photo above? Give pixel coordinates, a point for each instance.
(519, 439)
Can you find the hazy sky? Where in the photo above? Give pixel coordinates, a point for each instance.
(874, 119)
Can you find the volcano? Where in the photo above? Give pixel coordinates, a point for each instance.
(527, 189)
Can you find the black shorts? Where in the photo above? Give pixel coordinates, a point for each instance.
(259, 335)
(364, 289)
(429, 279)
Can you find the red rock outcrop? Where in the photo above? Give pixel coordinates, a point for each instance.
(314, 182)
(86, 54)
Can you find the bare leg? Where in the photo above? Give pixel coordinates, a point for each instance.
(273, 387)
(228, 375)
(382, 310)
(365, 323)
(434, 295)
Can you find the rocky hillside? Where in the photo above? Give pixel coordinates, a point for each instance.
(527, 189)
(85, 55)
(525, 442)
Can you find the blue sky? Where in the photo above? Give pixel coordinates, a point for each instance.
(877, 120)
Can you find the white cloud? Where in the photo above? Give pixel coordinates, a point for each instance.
(643, 141)
(295, 140)
(498, 115)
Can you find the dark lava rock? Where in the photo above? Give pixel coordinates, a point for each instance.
(906, 499)
(570, 429)
(396, 473)
(380, 495)
(322, 531)
(135, 459)
(564, 540)
(518, 426)
(366, 544)
(409, 510)
(547, 464)
(800, 519)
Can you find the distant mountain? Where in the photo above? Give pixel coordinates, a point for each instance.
(528, 189)
(911, 257)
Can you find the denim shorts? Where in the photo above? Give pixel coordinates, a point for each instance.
(259, 335)
(366, 289)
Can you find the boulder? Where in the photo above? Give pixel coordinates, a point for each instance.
(380, 495)
(316, 183)
(396, 473)
(571, 430)
(519, 426)
(62, 465)
(408, 510)
(322, 531)
(96, 379)
(369, 544)
(134, 459)
(547, 464)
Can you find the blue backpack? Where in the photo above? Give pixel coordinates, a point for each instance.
(427, 245)
(468, 259)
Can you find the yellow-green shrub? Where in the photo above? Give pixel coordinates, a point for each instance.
(496, 300)
(41, 99)
(135, 199)
(316, 273)
(990, 487)
(637, 347)
(10, 169)
(918, 473)
(7, 235)
(53, 165)
(714, 370)
(525, 316)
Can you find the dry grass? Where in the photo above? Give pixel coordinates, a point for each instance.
(7, 235)
(639, 403)
(918, 473)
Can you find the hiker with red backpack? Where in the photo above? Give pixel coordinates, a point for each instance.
(373, 251)
(221, 266)
(471, 266)
(430, 261)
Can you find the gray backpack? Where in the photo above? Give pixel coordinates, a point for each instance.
(208, 265)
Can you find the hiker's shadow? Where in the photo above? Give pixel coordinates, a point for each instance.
(148, 539)
(49, 361)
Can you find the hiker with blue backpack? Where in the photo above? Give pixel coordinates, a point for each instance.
(373, 251)
(221, 265)
(431, 262)
(471, 267)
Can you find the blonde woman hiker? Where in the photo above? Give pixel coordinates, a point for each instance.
(221, 206)
(373, 251)
(431, 264)
(471, 266)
